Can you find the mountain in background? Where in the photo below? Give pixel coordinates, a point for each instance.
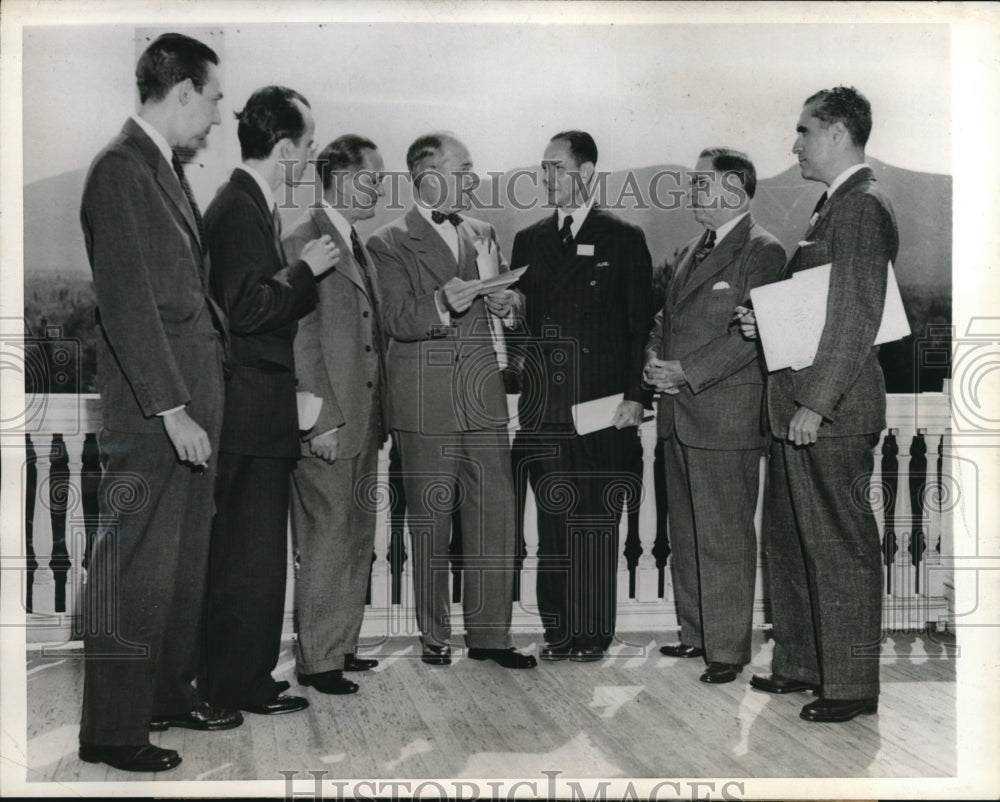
(56, 270)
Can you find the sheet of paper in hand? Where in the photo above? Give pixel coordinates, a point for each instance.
(309, 407)
(502, 281)
(597, 414)
(791, 315)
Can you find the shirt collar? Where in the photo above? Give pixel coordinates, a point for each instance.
(728, 226)
(339, 221)
(840, 179)
(158, 139)
(264, 186)
(578, 214)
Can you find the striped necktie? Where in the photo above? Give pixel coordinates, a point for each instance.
(179, 170)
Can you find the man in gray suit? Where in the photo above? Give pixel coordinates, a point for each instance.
(820, 535)
(159, 370)
(711, 388)
(339, 358)
(447, 405)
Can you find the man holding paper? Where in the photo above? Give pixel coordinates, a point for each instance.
(711, 392)
(588, 309)
(339, 355)
(447, 405)
(820, 534)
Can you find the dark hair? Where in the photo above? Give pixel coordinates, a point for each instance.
(730, 160)
(269, 116)
(344, 153)
(425, 151)
(847, 105)
(581, 145)
(170, 59)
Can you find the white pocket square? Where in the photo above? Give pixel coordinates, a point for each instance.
(804, 243)
(720, 285)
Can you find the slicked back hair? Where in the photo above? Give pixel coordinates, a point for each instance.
(346, 152)
(269, 116)
(426, 151)
(730, 160)
(847, 105)
(581, 145)
(170, 59)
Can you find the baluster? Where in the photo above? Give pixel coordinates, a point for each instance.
(90, 482)
(61, 507)
(397, 525)
(918, 489)
(646, 573)
(888, 480)
(661, 546)
(30, 496)
(75, 526)
(455, 557)
(902, 601)
(43, 587)
(377, 494)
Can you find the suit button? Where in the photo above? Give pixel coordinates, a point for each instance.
(368, 348)
(365, 313)
(593, 283)
(369, 384)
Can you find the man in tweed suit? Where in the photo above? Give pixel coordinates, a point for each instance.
(339, 358)
(820, 534)
(711, 389)
(447, 406)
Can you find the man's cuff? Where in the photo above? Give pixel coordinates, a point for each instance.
(323, 434)
(443, 313)
(170, 411)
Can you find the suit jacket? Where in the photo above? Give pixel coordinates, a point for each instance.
(856, 232)
(336, 349)
(263, 298)
(441, 378)
(150, 280)
(720, 405)
(587, 315)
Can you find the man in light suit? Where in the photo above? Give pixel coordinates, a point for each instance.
(339, 358)
(820, 535)
(447, 406)
(263, 296)
(588, 310)
(711, 389)
(159, 371)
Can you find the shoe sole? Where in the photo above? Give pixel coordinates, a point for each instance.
(209, 728)
(90, 758)
(685, 656)
(717, 680)
(554, 658)
(805, 689)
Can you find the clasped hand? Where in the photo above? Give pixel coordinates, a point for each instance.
(664, 375)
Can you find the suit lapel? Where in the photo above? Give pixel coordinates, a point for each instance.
(720, 257)
(434, 252)
(243, 179)
(348, 266)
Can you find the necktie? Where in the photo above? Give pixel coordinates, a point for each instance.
(179, 170)
(276, 221)
(566, 232)
(440, 217)
(704, 249)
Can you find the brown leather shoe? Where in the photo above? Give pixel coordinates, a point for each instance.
(204, 717)
(779, 684)
(131, 758)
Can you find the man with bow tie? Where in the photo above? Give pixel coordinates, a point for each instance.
(711, 389)
(340, 358)
(588, 308)
(447, 405)
(820, 534)
(263, 295)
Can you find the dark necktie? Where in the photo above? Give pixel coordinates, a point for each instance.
(819, 205)
(566, 232)
(179, 169)
(440, 217)
(704, 249)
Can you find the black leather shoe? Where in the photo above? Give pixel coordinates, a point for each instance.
(718, 673)
(436, 655)
(353, 663)
(332, 682)
(203, 717)
(508, 658)
(553, 653)
(586, 654)
(278, 705)
(779, 684)
(131, 758)
(681, 650)
(838, 709)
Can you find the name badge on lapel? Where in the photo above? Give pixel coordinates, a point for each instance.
(584, 250)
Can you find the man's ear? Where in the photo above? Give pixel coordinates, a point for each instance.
(184, 90)
(587, 170)
(838, 131)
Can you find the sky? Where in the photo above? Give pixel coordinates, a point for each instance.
(649, 93)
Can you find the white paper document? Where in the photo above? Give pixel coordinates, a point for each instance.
(594, 415)
(501, 281)
(309, 407)
(791, 315)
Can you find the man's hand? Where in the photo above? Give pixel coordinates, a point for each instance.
(629, 413)
(187, 437)
(500, 303)
(458, 295)
(664, 375)
(803, 429)
(747, 321)
(320, 254)
(324, 446)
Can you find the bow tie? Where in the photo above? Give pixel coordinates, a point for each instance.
(453, 218)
